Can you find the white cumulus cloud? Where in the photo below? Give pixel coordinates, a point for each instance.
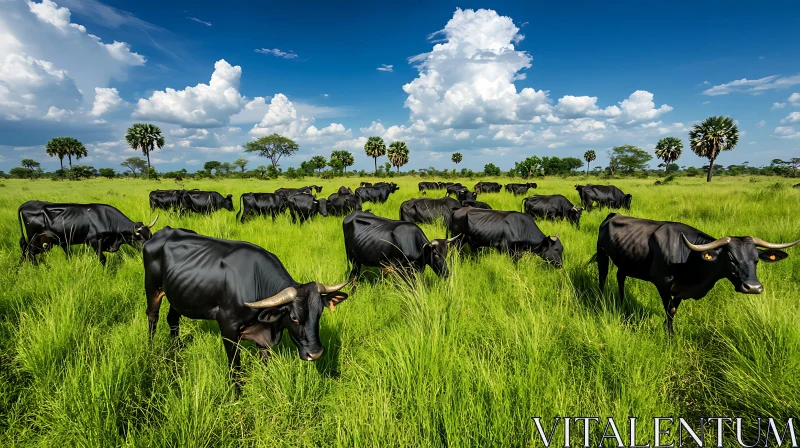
(105, 100)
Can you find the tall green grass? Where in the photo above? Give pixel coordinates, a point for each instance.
(465, 361)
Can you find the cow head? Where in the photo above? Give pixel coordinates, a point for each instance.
(344, 190)
(298, 309)
(574, 215)
(227, 203)
(626, 202)
(735, 258)
(435, 254)
(551, 250)
(142, 233)
(322, 206)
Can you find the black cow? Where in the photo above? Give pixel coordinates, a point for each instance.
(488, 187)
(306, 207)
(366, 184)
(466, 195)
(199, 201)
(344, 190)
(375, 241)
(343, 204)
(796, 186)
(510, 187)
(166, 199)
(604, 195)
(377, 194)
(519, 189)
(424, 186)
(552, 207)
(476, 204)
(316, 188)
(261, 204)
(681, 261)
(510, 232)
(100, 226)
(425, 210)
(286, 192)
(246, 289)
(453, 189)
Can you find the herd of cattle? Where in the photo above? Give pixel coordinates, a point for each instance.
(248, 291)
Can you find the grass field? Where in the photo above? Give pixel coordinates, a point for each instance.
(465, 361)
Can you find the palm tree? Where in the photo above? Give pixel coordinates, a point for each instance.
(55, 147)
(146, 137)
(669, 149)
(74, 148)
(398, 154)
(375, 148)
(712, 136)
(456, 158)
(589, 156)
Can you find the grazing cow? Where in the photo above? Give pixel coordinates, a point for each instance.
(510, 232)
(306, 207)
(487, 187)
(452, 189)
(366, 184)
(552, 207)
(375, 241)
(342, 204)
(261, 204)
(476, 204)
(100, 226)
(377, 194)
(466, 195)
(604, 195)
(205, 202)
(681, 261)
(510, 187)
(424, 210)
(246, 289)
(166, 199)
(518, 190)
(286, 192)
(424, 186)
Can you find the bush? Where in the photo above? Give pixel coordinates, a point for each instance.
(327, 174)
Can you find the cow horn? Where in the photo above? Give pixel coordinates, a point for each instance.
(554, 238)
(450, 240)
(153, 223)
(704, 247)
(761, 243)
(281, 298)
(322, 289)
(434, 243)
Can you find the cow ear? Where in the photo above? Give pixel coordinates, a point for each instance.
(271, 315)
(331, 300)
(772, 255)
(709, 255)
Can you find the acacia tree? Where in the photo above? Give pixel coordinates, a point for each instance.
(712, 136)
(457, 158)
(134, 164)
(628, 158)
(589, 156)
(375, 148)
(30, 164)
(346, 157)
(398, 154)
(241, 163)
(146, 137)
(272, 147)
(669, 149)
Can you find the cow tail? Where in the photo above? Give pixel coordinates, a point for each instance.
(21, 228)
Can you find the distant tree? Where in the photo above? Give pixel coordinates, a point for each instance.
(318, 163)
(226, 168)
(669, 149)
(30, 164)
(712, 136)
(134, 164)
(346, 157)
(79, 172)
(108, 173)
(589, 156)
(146, 137)
(273, 172)
(398, 154)
(261, 170)
(20, 173)
(532, 166)
(375, 148)
(560, 166)
(212, 165)
(490, 169)
(241, 163)
(629, 158)
(336, 164)
(272, 147)
(387, 168)
(456, 158)
(57, 147)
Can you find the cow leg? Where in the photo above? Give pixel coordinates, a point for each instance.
(602, 268)
(98, 248)
(153, 306)
(174, 322)
(621, 283)
(356, 271)
(294, 217)
(230, 340)
(670, 309)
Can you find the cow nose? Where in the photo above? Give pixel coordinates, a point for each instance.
(752, 288)
(315, 356)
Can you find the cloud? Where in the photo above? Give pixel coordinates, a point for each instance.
(793, 117)
(386, 68)
(753, 86)
(795, 99)
(639, 106)
(787, 132)
(199, 21)
(57, 114)
(105, 100)
(761, 123)
(324, 95)
(204, 105)
(29, 86)
(278, 52)
(776, 106)
(579, 106)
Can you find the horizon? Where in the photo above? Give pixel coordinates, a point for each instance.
(498, 84)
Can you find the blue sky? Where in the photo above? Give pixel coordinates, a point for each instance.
(497, 81)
